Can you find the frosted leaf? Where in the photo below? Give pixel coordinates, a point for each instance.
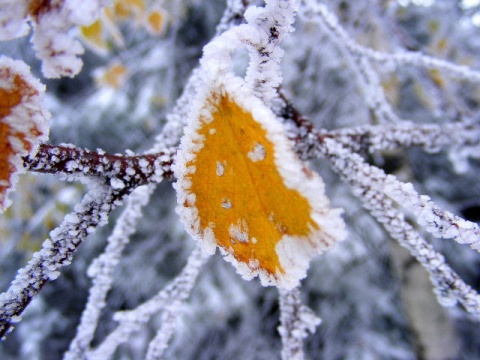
(249, 192)
(23, 122)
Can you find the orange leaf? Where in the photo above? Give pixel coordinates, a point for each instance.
(155, 21)
(94, 36)
(240, 187)
(23, 122)
(113, 76)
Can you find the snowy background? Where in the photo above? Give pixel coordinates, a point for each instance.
(374, 299)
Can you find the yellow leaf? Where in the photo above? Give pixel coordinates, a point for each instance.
(155, 22)
(234, 191)
(94, 36)
(113, 76)
(126, 8)
(437, 78)
(121, 10)
(23, 122)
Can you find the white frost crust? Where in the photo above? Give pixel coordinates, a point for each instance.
(30, 114)
(52, 41)
(13, 23)
(294, 255)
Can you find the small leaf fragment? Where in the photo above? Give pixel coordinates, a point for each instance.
(94, 36)
(155, 22)
(23, 122)
(113, 76)
(240, 187)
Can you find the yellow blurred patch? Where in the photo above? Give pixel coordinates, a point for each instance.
(437, 78)
(155, 22)
(113, 76)
(94, 36)
(126, 8)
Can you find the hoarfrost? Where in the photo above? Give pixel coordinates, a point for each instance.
(296, 322)
(117, 184)
(226, 204)
(220, 169)
(258, 153)
(239, 231)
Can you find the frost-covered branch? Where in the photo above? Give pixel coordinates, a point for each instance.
(101, 271)
(273, 22)
(372, 138)
(362, 67)
(56, 252)
(297, 321)
(131, 170)
(325, 18)
(167, 299)
(233, 15)
(438, 222)
(367, 183)
(431, 137)
(374, 187)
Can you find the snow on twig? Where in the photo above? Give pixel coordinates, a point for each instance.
(362, 68)
(438, 222)
(297, 321)
(273, 22)
(101, 271)
(121, 171)
(372, 138)
(266, 27)
(167, 299)
(431, 137)
(320, 14)
(368, 183)
(56, 252)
